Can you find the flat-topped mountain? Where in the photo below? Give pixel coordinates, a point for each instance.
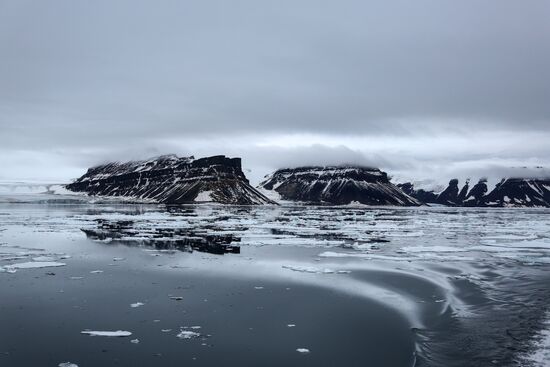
(337, 185)
(509, 192)
(172, 180)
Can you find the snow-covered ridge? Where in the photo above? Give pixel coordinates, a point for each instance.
(338, 185)
(509, 192)
(173, 180)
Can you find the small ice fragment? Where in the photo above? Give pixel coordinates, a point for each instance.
(118, 259)
(291, 325)
(185, 334)
(166, 330)
(258, 287)
(76, 278)
(118, 333)
(176, 298)
(35, 265)
(43, 258)
(302, 350)
(96, 271)
(67, 364)
(134, 341)
(137, 304)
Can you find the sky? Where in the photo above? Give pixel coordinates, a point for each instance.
(427, 90)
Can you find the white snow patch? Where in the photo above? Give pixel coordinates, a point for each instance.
(204, 196)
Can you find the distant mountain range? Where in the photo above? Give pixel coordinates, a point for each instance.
(178, 180)
(510, 192)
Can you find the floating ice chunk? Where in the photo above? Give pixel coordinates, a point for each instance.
(76, 278)
(176, 298)
(258, 287)
(35, 265)
(541, 346)
(308, 269)
(166, 330)
(67, 364)
(134, 341)
(186, 334)
(291, 325)
(137, 304)
(7, 270)
(96, 271)
(118, 259)
(302, 350)
(118, 333)
(43, 258)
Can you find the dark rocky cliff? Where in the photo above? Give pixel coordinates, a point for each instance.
(510, 192)
(337, 185)
(172, 180)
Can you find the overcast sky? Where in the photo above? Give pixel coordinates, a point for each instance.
(422, 89)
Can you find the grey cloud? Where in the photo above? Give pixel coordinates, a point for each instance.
(117, 79)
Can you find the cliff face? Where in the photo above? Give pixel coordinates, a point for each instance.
(337, 185)
(172, 180)
(510, 192)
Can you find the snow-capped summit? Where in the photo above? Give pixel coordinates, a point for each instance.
(337, 185)
(172, 180)
(510, 192)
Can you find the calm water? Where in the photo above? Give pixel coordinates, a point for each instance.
(251, 285)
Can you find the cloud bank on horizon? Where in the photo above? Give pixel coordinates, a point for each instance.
(426, 89)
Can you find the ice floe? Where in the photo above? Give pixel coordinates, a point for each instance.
(302, 350)
(67, 364)
(137, 304)
(187, 334)
(118, 333)
(32, 265)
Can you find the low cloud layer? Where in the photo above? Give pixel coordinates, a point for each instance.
(423, 89)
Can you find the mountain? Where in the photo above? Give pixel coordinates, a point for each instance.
(337, 185)
(520, 192)
(172, 180)
(510, 192)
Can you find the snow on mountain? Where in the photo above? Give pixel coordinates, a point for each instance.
(172, 180)
(336, 185)
(510, 192)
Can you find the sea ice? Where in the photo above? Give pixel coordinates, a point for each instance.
(137, 304)
(302, 350)
(35, 265)
(186, 334)
(67, 364)
(118, 333)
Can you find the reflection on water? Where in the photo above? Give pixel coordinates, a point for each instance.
(124, 232)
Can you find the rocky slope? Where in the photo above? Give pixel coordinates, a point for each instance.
(337, 185)
(172, 180)
(510, 192)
